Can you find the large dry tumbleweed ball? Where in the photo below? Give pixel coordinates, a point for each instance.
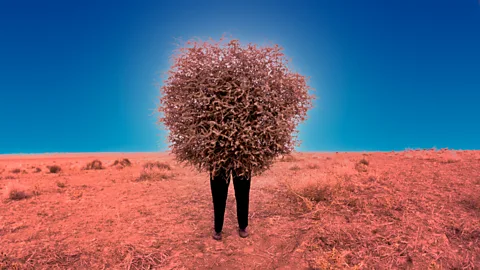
(232, 107)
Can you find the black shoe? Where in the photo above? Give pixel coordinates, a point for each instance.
(243, 232)
(217, 236)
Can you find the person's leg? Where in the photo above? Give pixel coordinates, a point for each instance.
(219, 189)
(241, 185)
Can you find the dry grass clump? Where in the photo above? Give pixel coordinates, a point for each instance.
(313, 166)
(444, 155)
(155, 171)
(232, 107)
(122, 163)
(321, 188)
(472, 202)
(16, 170)
(153, 175)
(364, 162)
(15, 191)
(332, 259)
(94, 165)
(157, 164)
(134, 258)
(288, 158)
(295, 168)
(61, 184)
(54, 168)
(448, 156)
(362, 165)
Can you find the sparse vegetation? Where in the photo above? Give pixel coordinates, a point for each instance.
(288, 158)
(159, 165)
(61, 184)
(122, 163)
(402, 214)
(361, 166)
(54, 168)
(364, 162)
(314, 190)
(15, 191)
(155, 171)
(313, 166)
(16, 170)
(94, 165)
(295, 168)
(37, 170)
(152, 175)
(9, 177)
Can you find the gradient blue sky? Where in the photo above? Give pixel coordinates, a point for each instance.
(79, 76)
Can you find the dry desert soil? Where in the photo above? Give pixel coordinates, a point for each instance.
(414, 209)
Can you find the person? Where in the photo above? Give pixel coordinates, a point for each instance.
(219, 184)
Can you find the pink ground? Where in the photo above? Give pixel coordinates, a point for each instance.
(406, 210)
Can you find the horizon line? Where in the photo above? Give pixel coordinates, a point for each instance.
(168, 151)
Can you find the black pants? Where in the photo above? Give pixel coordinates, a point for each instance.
(219, 187)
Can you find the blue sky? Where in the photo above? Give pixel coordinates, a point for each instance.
(80, 76)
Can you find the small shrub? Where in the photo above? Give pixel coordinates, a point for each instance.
(60, 184)
(155, 171)
(159, 165)
(295, 168)
(313, 166)
(364, 162)
(37, 170)
(14, 191)
(472, 203)
(317, 193)
(94, 165)
(310, 191)
(15, 170)
(360, 167)
(149, 175)
(288, 158)
(54, 169)
(122, 163)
